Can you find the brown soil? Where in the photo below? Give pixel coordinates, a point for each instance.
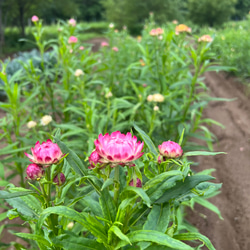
(233, 169)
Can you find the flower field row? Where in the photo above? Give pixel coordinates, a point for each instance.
(91, 177)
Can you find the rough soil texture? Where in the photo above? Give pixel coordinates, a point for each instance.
(233, 169)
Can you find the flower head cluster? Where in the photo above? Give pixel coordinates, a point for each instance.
(182, 28)
(72, 39)
(78, 73)
(115, 49)
(31, 124)
(34, 19)
(205, 38)
(72, 22)
(169, 150)
(116, 149)
(156, 32)
(155, 98)
(104, 44)
(45, 120)
(43, 156)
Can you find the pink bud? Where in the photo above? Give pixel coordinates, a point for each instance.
(81, 48)
(104, 44)
(72, 39)
(34, 172)
(34, 19)
(115, 49)
(94, 159)
(170, 149)
(59, 181)
(72, 22)
(138, 183)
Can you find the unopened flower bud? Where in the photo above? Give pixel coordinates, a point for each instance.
(170, 149)
(34, 172)
(34, 19)
(156, 108)
(138, 183)
(31, 124)
(94, 159)
(59, 179)
(46, 120)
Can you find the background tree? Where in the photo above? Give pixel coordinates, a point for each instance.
(242, 9)
(211, 12)
(133, 13)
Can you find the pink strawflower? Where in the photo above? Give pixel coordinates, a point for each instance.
(94, 159)
(59, 181)
(104, 44)
(153, 32)
(34, 172)
(46, 154)
(72, 39)
(81, 48)
(72, 22)
(115, 49)
(170, 149)
(205, 38)
(118, 149)
(34, 19)
(138, 183)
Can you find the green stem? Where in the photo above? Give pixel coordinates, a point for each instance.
(117, 185)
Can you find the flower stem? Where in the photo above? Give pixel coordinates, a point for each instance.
(117, 185)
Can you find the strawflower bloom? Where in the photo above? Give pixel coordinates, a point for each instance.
(170, 149)
(94, 159)
(138, 183)
(205, 38)
(31, 124)
(115, 49)
(159, 31)
(45, 154)
(111, 25)
(34, 172)
(104, 44)
(153, 32)
(155, 98)
(182, 28)
(59, 179)
(34, 19)
(81, 48)
(72, 22)
(78, 73)
(45, 120)
(118, 149)
(72, 39)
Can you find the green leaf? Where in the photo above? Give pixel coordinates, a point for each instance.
(183, 187)
(6, 195)
(193, 153)
(140, 192)
(117, 231)
(107, 205)
(195, 236)
(159, 178)
(38, 238)
(90, 223)
(156, 237)
(67, 241)
(147, 140)
(107, 183)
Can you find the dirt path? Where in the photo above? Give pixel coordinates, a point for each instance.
(233, 169)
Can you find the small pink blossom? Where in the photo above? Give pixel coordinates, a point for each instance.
(34, 19)
(153, 32)
(72, 22)
(170, 149)
(94, 159)
(138, 183)
(34, 172)
(118, 149)
(45, 154)
(59, 181)
(81, 48)
(115, 49)
(72, 39)
(104, 44)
